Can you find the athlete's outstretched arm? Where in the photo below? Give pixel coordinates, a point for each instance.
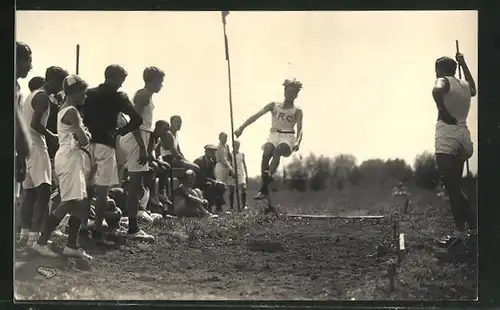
(441, 88)
(71, 118)
(40, 105)
(253, 118)
(128, 109)
(299, 115)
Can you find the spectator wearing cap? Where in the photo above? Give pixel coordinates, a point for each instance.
(100, 115)
(213, 191)
(38, 180)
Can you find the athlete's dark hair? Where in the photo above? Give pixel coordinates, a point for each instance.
(55, 73)
(152, 73)
(175, 117)
(113, 71)
(36, 83)
(23, 51)
(293, 83)
(446, 65)
(162, 122)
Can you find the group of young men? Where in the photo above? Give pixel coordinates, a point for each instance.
(78, 138)
(94, 144)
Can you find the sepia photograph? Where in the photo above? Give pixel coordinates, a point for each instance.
(246, 155)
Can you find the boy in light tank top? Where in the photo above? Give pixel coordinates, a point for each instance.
(452, 141)
(242, 174)
(38, 179)
(283, 139)
(138, 151)
(70, 167)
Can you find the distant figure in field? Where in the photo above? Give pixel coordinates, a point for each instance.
(242, 173)
(223, 167)
(453, 142)
(282, 140)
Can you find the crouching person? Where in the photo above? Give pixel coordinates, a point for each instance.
(213, 190)
(192, 204)
(69, 165)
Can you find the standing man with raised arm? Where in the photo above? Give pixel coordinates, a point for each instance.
(453, 141)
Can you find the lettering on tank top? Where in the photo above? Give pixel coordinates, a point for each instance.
(283, 118)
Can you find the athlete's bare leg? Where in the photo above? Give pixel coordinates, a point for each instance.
(282, 150)
(268, 151)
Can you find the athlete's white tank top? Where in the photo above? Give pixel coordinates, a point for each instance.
(28, 111)
(65, 132)
(238, 159)
(457, 101)
(147, 114)
(283, 120)
(165, 152)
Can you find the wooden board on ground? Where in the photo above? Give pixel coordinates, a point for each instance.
(324, 216)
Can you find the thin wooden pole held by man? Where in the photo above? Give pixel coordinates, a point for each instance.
(460, 77)
(224, 14)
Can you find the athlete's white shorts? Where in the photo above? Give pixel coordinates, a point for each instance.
(38, 168)
(277, 138)
(130, 147)
(453, 140)
(103, 160)
(70, 167)
(222, 173)
(121, 156)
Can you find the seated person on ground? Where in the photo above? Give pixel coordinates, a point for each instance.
(213, 191)
(170, 152)
(192, 203)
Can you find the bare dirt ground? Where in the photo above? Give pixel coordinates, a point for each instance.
(251, 256)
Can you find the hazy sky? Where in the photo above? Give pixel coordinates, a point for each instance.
(367, 76)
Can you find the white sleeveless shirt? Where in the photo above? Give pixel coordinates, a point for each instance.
(66, 139)
(165, 152)
(283, 119)
(457, 101)
(238, 159)
(38, 139)
(147, 113)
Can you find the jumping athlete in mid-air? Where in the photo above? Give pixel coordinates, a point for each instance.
(283, 139)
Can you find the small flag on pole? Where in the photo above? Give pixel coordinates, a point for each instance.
(224, 15)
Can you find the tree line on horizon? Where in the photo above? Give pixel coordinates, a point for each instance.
(318, 173)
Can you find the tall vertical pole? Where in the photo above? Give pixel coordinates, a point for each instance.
(226, 48)
(78, 59)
